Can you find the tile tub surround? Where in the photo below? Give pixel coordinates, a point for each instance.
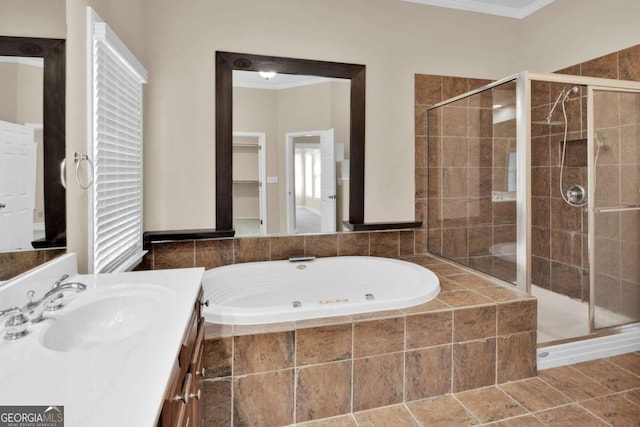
(219, 252)
(546, 400)
(475, 334)
(15, 263)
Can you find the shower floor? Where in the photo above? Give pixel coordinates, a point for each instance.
(561, 317)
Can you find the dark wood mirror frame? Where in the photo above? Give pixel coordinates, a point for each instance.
(53, 53)
(226, 62)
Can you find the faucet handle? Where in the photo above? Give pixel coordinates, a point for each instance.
(30, 295)
(16, 326)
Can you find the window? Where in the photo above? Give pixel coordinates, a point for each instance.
(116, 147)
(308, 174)
(317, 172)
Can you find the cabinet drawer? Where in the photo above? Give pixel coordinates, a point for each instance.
(190, 336)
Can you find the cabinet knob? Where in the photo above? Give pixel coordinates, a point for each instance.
(201, 372)
(187, 396)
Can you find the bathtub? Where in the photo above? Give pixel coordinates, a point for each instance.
(280, 291)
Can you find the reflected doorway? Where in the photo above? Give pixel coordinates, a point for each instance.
(311, 182)
(249, 178)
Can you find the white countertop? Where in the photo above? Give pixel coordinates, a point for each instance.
(116, 384)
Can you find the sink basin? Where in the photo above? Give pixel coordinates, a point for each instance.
(106, 315)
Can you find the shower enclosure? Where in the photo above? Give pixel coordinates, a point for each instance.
(535, 179)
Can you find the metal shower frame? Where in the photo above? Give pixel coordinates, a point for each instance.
(523, 154)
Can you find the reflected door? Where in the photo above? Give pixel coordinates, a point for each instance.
(311, 182)
(328, 182)
(614, 218)
(17, 185)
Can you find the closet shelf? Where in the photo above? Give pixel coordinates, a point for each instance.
(246, 181)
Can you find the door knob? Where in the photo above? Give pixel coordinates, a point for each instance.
(332, 197)
(2, 205)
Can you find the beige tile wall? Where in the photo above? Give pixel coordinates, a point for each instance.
(15, 263)
(475, 334)
(219, 252)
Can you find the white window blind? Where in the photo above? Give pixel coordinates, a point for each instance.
(117, 108)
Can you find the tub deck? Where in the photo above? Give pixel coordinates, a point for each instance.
(475, 333)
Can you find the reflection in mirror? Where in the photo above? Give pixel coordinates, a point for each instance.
(277, 196)
(290, 142)
(32, 142)
(22, 192)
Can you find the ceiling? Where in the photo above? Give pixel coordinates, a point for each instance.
(509, 8)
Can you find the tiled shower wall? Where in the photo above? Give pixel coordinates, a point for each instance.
(467, 159)
(560, 259)
(560, 250)
(559, 231)
(617, 234)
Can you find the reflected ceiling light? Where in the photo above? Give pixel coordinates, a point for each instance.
(267, 74)
(497, 105)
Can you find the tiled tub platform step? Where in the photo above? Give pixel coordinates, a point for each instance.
(475, 334)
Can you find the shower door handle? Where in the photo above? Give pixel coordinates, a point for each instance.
(618, 209)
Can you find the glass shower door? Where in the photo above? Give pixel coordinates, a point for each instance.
(614, 217)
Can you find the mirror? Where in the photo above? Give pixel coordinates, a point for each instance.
(226, 63)
(290, 153)
(43, 126)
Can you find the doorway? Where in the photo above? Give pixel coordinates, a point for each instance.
(249, 178)
(311, 182)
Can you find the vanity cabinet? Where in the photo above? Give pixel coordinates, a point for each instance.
(182, 405)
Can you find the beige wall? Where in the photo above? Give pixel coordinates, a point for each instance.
(8, 91)
(568, 32)
(125, 18)
(33, 18)
(393, 39)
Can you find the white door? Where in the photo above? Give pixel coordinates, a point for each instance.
(328, 182)
(17, 185)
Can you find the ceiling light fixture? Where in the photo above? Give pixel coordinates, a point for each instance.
(267, 74)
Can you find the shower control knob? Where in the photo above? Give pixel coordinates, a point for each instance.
(575, 194)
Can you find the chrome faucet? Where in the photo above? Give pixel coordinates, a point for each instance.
(16, 326)
(35, 309)
(55, 303)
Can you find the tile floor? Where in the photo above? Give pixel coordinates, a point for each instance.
(604, 392)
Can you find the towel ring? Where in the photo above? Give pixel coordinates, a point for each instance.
(63, 173)
(78, 158)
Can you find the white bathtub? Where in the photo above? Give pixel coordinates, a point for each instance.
(280, 291)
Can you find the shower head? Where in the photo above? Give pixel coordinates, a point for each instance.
(563, 95)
